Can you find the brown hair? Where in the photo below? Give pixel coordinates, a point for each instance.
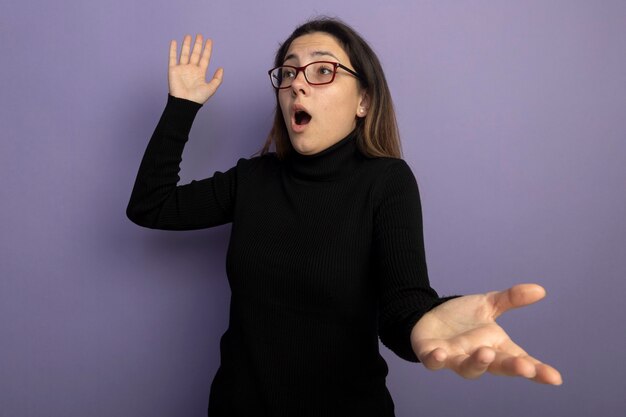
(377, 133)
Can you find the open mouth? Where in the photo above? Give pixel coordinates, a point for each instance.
(302, 117)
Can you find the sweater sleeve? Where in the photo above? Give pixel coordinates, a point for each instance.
(405, 293)
(157, 201)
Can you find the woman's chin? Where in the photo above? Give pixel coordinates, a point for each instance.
(302, 146)
(305, 151)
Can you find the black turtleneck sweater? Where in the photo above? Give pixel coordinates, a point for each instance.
(326, 254)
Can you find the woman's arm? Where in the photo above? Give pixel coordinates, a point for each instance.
(405, 294)
(156, 200)
(457, 333)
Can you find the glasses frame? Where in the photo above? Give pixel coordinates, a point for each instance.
(302, 69)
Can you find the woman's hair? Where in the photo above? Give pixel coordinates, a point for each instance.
(377, 132)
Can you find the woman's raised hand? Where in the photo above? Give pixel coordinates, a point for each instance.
(462, 335)
(187, 78)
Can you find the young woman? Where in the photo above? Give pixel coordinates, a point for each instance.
(326, 251)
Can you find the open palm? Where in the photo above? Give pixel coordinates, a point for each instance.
(187, 78)
(462, 335)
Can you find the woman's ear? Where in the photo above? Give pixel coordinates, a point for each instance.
(364, 105)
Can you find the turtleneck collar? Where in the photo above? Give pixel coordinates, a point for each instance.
(332, 163)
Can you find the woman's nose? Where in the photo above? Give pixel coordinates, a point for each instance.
(299, 83)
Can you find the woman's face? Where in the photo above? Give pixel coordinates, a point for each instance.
(333, 108)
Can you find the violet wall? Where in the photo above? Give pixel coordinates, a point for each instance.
(512, 118)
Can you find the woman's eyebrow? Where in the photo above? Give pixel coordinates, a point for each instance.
(314, 53)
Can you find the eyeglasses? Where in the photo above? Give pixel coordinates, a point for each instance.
(315, 73)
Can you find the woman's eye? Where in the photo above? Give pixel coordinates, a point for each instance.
(288, 73)
(325, 71)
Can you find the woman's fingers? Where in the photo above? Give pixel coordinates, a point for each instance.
(508, 365)
(195, 53)
(184, 54)
(498, 363)
(199, 56)
(517, 296)
(490, 360)
(216, 80)
(206, 55)
(435, 359)
(173, 49)
(468, 366)
(525, 366)
(547, 375)
(477, 363)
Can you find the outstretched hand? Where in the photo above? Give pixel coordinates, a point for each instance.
(462, 335)
(187, 79)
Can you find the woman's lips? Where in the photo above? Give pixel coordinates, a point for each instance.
(300, 118)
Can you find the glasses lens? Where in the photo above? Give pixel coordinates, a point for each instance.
(282, 77)
(320, 73)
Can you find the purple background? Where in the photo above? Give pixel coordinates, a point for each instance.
(512, 118)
